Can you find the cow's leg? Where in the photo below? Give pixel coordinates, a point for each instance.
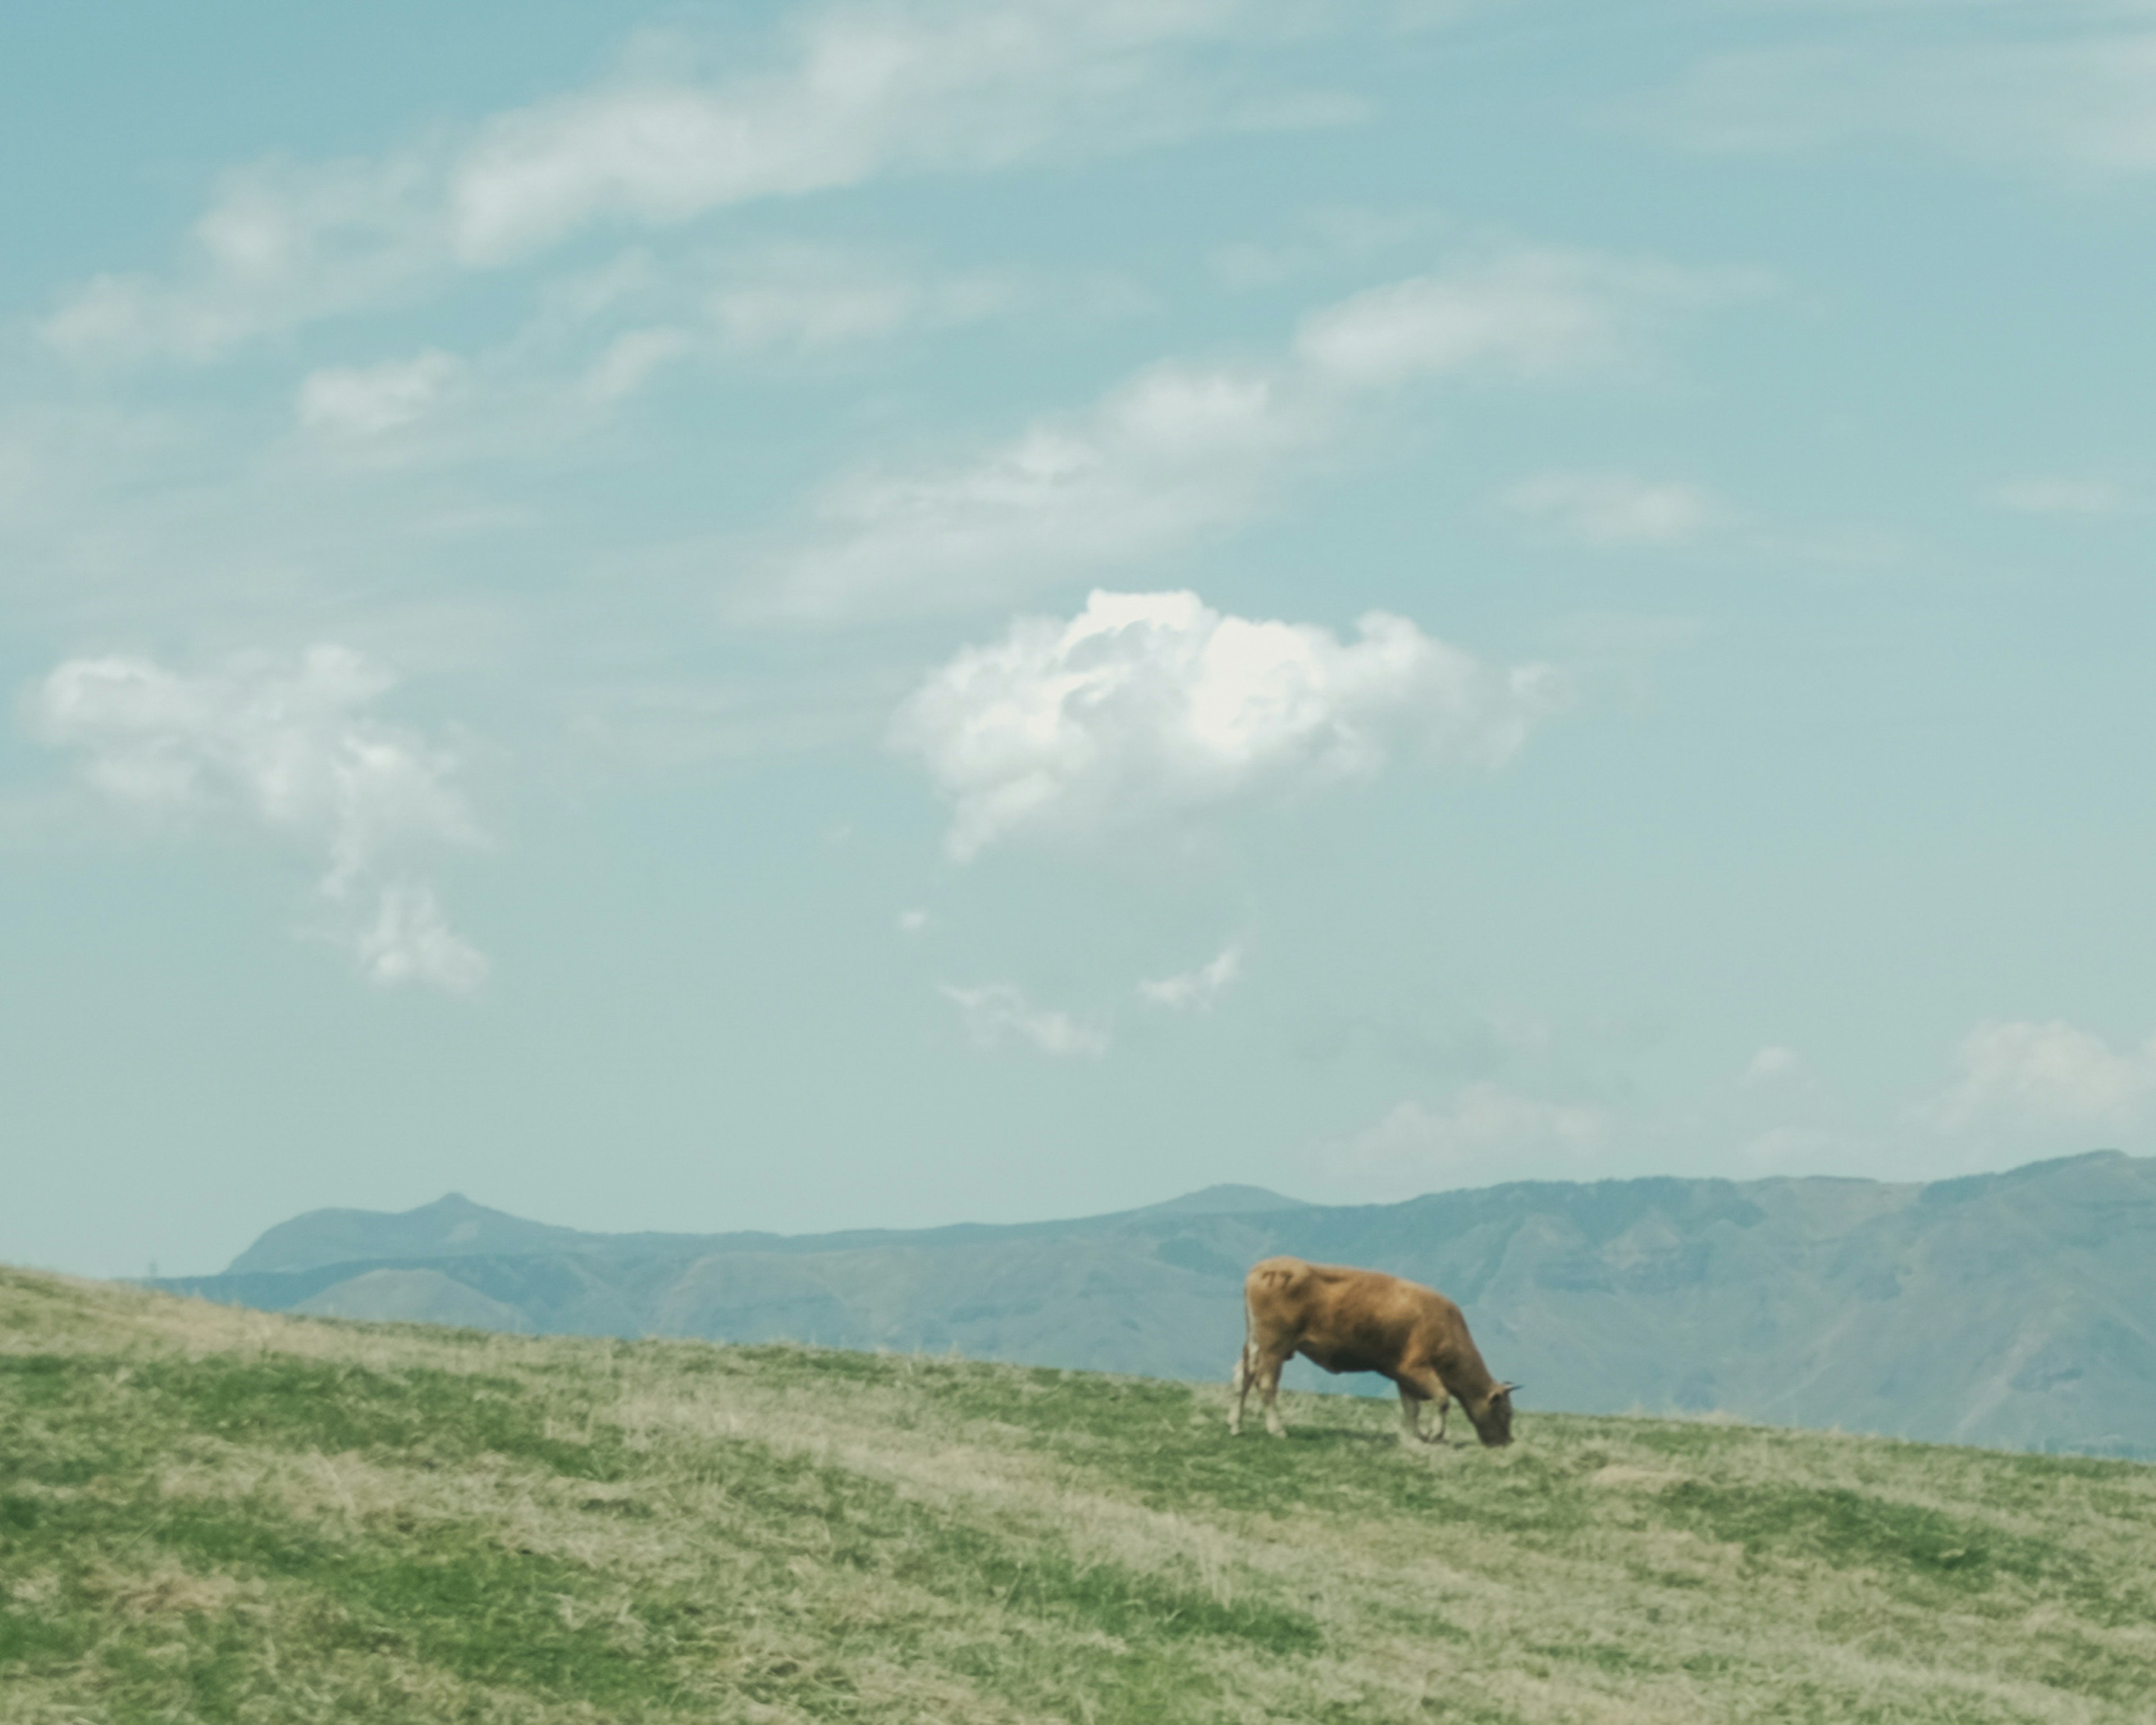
(1410, 1406)
(1269, 1376)
(1240, 1383)
(1425, 1386)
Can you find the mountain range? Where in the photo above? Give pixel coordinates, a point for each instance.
(2014, 1309)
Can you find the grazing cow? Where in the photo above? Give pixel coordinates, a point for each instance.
(1365, 1321)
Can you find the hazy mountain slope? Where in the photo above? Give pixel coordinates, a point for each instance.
(2018, 1308)
(212, 1514)
(2013, 1309)
(453, 1226)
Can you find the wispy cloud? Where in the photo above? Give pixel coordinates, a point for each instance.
(1322, 239)
(847, 95)
(796, 302)
(294, 747)
(367, 401)
(1611, 510)
(999, 1013)
(1773, 1065)
(1197, 990)
(1181, 450)
(2056, 494)
(1534, 312)
(1174, 454)
(1483, 1135)
(1151, 705)
(2071, 86)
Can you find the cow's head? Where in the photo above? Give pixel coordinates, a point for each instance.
(1493, 1420)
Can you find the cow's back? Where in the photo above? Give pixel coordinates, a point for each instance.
(1347, 1319)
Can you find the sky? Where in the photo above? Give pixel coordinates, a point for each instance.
(811, 617)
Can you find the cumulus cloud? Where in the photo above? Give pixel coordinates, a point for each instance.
(369, 401)
(1196, 990)
(999, 1013)
(1147, 705)
(1485, 1135)
(2021, 1074)
(1611, 509)
(294, 747)
(1179, 450)
(848, 95)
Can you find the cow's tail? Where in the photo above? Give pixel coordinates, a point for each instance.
(1239, 1380)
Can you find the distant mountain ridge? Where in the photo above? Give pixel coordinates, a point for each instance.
(2015, 1309)
(453, 1226)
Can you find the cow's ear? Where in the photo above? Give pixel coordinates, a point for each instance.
(1507, 1388)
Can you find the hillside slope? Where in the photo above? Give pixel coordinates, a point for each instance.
(212, 1514)
(2015, 1309)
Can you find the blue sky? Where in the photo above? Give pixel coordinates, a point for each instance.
(817, 617)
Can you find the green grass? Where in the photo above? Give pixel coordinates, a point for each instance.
(208, 1514)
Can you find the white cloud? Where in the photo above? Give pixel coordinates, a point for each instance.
(807, 299)
(1322, 239)
(1773, 1065)
(1485, 1135)
(294, 747)
(632, 358)
(1175, 452)
(2056, 494)
(850, 95)
(1152, 704)
(410, 940)
(1180, 450)
(1536, 313)
(279, 246)
(912, 921)
(2076, 91)
(996, 1013)
(864, 91)
(1612, 509)
(785, 302)
(368, 401)
(2029, 1076)
(1196, 990)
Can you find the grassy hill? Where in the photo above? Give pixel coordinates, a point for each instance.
(208, 1513)
(2013, 1309)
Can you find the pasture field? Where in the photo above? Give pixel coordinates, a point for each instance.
(210, 1514)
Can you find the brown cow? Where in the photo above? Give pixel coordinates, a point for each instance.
(1365, 1321)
